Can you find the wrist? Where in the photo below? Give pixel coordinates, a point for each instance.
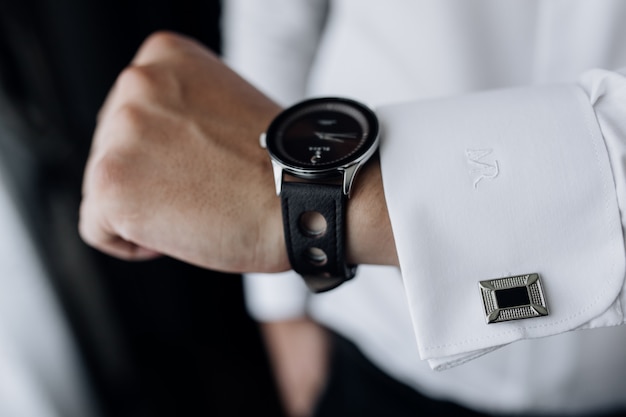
(369, 233)
(318, 148)
(271, 255)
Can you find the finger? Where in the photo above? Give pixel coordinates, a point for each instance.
(99, 234)
(100, 238)
(163, 46)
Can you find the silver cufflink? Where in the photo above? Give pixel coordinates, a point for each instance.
(513, 298)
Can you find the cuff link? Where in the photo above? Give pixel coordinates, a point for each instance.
(513, 298)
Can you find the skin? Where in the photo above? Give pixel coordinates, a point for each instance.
(298, 350)
(176, 169)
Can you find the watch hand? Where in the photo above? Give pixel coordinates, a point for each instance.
(335, 137)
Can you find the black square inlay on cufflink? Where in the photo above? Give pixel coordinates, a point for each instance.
(513, 298)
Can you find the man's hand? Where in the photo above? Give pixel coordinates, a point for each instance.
(176, 167)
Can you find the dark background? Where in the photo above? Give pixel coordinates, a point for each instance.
(158, 338)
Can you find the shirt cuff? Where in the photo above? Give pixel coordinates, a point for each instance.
(275, 297)
(499, 184)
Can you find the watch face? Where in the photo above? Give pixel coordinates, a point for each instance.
(322, 134)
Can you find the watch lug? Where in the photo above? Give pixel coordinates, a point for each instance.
(349, 173)
(278, 177)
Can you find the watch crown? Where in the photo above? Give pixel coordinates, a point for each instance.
(263, 140)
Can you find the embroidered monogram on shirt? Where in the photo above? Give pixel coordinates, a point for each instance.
(482, 165)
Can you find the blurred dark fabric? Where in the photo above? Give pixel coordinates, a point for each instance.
(159, 338)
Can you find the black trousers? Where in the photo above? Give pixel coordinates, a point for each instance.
(356, 387)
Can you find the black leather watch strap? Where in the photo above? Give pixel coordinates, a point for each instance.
(319, 256)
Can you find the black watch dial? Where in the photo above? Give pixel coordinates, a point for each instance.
(322, 134)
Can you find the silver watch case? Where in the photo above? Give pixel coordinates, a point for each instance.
(346, 172)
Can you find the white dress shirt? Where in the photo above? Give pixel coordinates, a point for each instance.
(503, 153)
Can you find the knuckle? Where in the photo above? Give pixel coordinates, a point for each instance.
(139, 79)
(147, 86)
(110, 176)
(130, 119)
(163, 39)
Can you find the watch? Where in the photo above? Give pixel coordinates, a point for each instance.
(316, 148)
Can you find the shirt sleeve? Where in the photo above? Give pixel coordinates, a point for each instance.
(507, 183)
(273, 43)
